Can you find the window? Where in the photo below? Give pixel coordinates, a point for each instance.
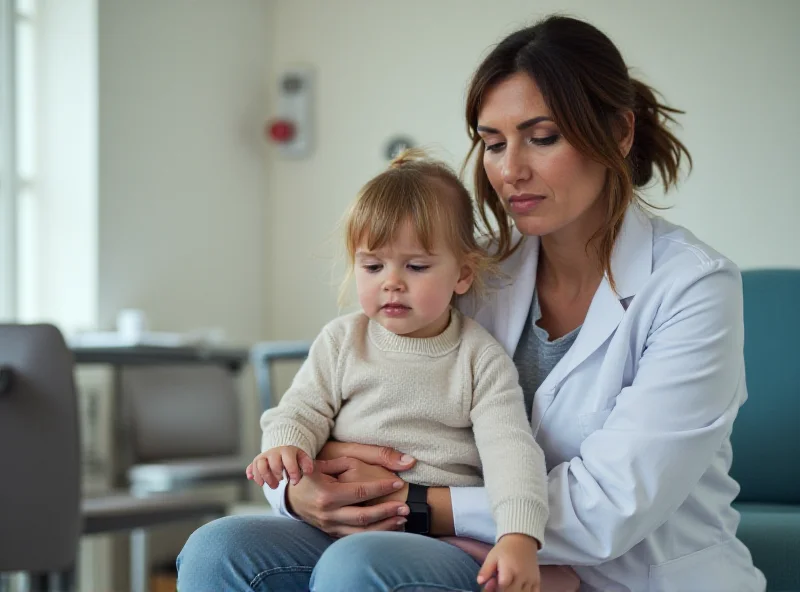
(18, 108)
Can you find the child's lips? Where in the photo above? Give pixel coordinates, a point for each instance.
(393, 309)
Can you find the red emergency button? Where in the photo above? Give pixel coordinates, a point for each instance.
(282, 131)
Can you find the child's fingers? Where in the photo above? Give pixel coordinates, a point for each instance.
(249, 471)
(533, 583)
(289, 457)
(275, 468)
(306, 464)
(261, 470)
(256, 473)
(488, 569)
(505, 576)
(265, 472)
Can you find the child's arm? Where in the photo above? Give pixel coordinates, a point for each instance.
(304, 417)
(513, 464)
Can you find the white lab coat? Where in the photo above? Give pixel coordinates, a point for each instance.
(635, 419)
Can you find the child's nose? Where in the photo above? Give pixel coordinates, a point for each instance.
(393, 283)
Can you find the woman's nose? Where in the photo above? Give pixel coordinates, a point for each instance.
(515, 166)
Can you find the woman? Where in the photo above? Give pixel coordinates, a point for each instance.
(627, 333)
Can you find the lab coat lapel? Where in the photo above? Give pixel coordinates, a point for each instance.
(510, 296)
(631, 264)
(519, 296)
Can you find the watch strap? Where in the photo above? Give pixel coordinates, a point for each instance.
(417, 493)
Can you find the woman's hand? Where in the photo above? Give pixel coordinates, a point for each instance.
(361, 472)
(377, 462)
(383, 456)
(321, 500)
(392, 460)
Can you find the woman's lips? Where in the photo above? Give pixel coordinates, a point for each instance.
(524, 203)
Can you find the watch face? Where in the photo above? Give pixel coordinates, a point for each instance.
(419, 519)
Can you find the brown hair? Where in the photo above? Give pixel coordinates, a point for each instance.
(586, 85)
(429, 195)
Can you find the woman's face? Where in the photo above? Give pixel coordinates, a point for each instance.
(545, 184)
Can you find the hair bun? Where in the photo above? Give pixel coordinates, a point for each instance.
(407, 156)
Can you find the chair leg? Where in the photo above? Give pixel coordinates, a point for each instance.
(5, 582)
(38, 582)
(139, 560)
(63, 581)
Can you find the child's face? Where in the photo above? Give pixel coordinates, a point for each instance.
(407, 290)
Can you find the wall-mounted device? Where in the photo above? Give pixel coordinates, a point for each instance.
(292, 129)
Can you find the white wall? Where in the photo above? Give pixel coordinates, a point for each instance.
(60, 274)
(183, 99)
(182, 96)
(389, 67)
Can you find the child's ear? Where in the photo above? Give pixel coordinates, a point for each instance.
(465, 279)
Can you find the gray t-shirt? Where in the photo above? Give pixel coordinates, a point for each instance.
(536, 355)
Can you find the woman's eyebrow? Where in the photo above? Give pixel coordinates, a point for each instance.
(524, 125)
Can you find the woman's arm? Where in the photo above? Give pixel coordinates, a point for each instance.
(277, 499)
(345, 495)
(664, 430)
(656, 443)
(441, 512)
(471, 513)
(439, 498)
(340, 508)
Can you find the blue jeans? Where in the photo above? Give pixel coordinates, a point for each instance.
(260, 553)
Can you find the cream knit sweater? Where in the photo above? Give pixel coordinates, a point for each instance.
(452, 401)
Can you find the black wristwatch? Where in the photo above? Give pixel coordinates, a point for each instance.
(419, 519)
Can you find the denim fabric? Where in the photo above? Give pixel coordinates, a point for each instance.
(271, 553)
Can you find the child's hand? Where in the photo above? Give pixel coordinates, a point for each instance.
(513, 564)
(268, 466)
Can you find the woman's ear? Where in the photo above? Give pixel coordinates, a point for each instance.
(628, 123)
(465, 279)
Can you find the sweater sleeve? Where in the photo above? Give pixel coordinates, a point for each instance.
(513, 464)
(305, 415)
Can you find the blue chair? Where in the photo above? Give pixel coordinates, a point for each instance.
(264, 355)
(766, 434)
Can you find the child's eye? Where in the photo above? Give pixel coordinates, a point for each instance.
(373, 267)
(418, 268)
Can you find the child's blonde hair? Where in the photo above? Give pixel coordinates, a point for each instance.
(429, 195)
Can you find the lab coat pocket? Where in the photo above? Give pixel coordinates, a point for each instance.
(707, 570)
(593, 421)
